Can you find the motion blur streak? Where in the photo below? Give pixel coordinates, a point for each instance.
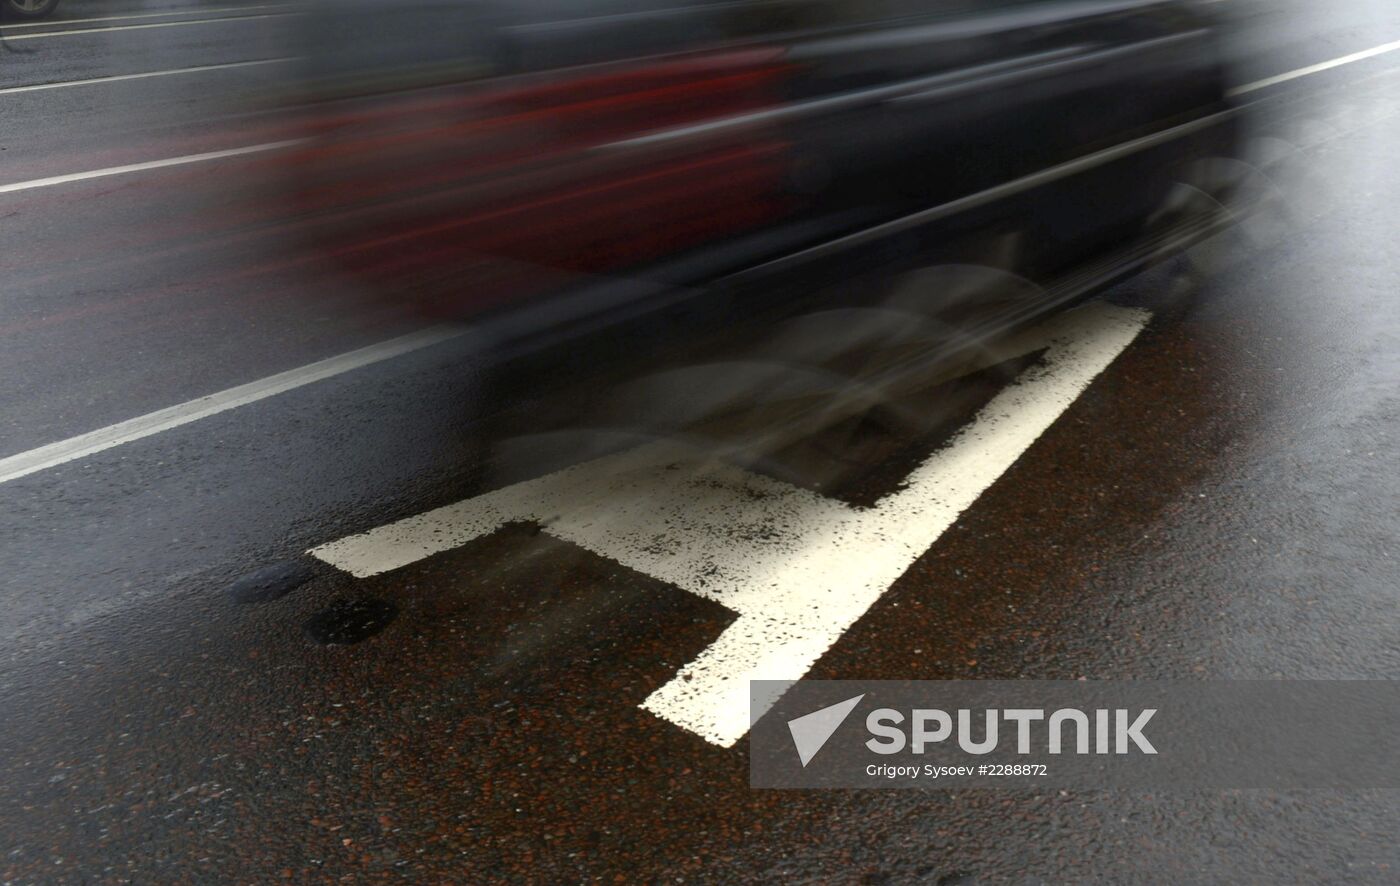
(610, 192)
(616, 190)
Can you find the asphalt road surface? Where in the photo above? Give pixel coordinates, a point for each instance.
(1215, 497)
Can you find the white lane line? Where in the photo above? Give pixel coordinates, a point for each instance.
(54, 454)
(216, 155)
(146, 166)
(53, 23)
(798, 569)
(207, 21)
(62, 84)
(1317, 68)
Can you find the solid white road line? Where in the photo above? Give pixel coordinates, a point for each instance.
(216, 155)
(1317, 68)
(52, 23)
(205, 21)
(44, 457)
(146, 166)
(61, 84)
(797, 568)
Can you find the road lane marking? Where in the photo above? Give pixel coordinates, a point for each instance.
(1072, 165)
(52, 23)
(798, 569)
(204, 21)
(83, 445)
(1314, 69)
(61, 84)
(146, 166)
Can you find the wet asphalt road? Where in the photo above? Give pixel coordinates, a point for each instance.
(1221, 502)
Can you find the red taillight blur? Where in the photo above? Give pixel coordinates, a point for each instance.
(463, 198)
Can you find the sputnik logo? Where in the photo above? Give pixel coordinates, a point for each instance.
(811, 731)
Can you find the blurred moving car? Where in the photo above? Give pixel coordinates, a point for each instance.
(27, 9)
(592, 181)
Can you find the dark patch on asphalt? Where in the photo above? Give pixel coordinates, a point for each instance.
(273, 582)
(346, 622)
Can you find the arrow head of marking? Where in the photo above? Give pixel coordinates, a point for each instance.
(811, 731)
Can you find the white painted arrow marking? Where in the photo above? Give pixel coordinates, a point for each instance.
(797, 568)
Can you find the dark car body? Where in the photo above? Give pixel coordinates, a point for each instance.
(591, 182)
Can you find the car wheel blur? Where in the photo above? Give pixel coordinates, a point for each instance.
(30, 9)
